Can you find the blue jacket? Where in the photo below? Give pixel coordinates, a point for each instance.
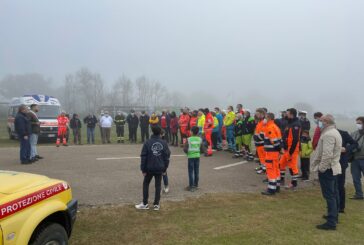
(220, 119)
(155, 156)
(22, 125)
(350, 144)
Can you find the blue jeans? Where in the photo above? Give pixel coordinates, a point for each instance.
(219, 138)
(90, 135)
(33, 140)
(193, 171)
(24, 149)
(230, 137)
(357, 170)
(165, 179)
(330, 192)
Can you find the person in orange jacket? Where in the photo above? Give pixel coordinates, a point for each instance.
(259, 139)
(291, 146)
(193, 119)
(183, 123)
(272, 148)
(207, 129)
(63, 122)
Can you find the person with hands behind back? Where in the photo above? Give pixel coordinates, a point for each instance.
(154, 163)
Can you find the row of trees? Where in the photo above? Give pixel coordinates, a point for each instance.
(85, 91)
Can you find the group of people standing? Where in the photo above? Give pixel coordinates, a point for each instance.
(27, 127)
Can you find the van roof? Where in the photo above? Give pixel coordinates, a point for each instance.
(39, 99)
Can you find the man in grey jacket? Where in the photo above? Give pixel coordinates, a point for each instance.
(357, 165)
(327, 163)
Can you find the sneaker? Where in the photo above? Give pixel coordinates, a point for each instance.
(26, 162)
(291, 187)
(356, 198)
(166, 189)
(141, 206)
(188, 188)
(156, 207)
(39, 157)
(260, 171)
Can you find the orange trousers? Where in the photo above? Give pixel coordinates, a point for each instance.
(289, 161)
(261, 154)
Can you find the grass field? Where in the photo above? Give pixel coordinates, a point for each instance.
(288, 218)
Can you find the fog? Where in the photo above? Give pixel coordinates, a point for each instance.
(257, 52)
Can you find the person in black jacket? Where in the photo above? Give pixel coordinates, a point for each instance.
(75, 125)
(23, 129)
(348, 145)
(154, 162)
(144, 126)
(305, 123)
(119, 121)
(133, 123)
(91, 122)
(282, 122)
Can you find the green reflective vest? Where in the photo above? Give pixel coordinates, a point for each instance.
(194, 146)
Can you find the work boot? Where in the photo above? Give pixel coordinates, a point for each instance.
(267, 193)
(326, 227)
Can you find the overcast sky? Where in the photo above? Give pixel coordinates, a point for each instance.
(282, 51)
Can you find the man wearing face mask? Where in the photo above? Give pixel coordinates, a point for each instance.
(305, 123)
(133, 123)
(282, 122)
(327, 163)
(229, 124)
(291, 146)
(259, 139)
(316, 135)
(119, 121)
(357, 165)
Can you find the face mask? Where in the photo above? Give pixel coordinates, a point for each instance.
(359, 126)
(316, 121)
(265, 120)
(321, 125)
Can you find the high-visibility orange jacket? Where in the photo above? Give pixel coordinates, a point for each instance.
(209, 123)
(272, 137)
(259, 134)
(184, 120)
(193, 122)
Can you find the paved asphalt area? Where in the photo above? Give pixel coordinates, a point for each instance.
(110, 174)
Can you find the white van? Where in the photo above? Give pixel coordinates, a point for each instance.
(49, 109)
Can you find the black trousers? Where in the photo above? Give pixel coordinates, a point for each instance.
(120, 132)
(341, 178)
(175, 139)
(166, 132)
(214, 140)
(76, 136)
(158, 185)
(144, 133)
(305, 168)
(133, 135)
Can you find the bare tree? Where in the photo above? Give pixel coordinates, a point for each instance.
(123, 91)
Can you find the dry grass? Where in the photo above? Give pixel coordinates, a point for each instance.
(288, 218)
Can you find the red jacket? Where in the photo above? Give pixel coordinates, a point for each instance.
(193, 122)
(184, 121)
(163, 121)
(209, 122)
(316, 137)
(174, 125)
(62, 121)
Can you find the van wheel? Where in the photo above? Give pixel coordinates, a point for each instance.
(50, 234)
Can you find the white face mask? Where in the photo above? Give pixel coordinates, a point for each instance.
(359, 126)
(316, 121)
(321, 125)
(265, 120)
